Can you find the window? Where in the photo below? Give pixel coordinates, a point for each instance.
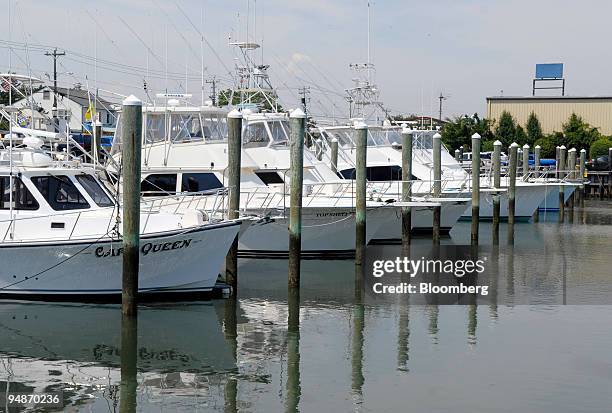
(279, 132)
(46, 95)
(270, 177)
(255, 134)
(200, 182)
(22, 197)
(377, 173)
(60, 192)
(158, 185)
(95, 191)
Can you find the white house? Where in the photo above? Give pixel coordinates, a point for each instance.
(72, 106)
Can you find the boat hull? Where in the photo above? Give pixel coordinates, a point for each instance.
(326, 232)
(528, 198)
(173, 262)
(422, 222)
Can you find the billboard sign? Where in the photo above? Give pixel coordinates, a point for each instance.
(549, 71)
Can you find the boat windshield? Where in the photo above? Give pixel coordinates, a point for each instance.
(344, 138)
(255, 135)
(95, 191)
(278, 130)
(423, 140)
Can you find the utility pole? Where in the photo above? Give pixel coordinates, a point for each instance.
(55, 54)
(213, 90)
(441, 98)
(304, 92)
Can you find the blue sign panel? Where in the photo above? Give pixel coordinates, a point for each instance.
(549, 71)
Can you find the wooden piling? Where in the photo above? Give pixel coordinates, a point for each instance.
(407, 136)
(96, 147)
(129, 364)
(496, 185)
(571, 157)
(437, 185)
(361, 136)
(458, 155)
(582, 170)
(334, 155)
(610, 173)
(234, 152)
(525, 163)
(557, 151)
(562, 176)
(297, 129)
(131, 124)
(475, 187)
(536, 167)
(512, 190)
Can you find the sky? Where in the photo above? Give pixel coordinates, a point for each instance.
(465, 49)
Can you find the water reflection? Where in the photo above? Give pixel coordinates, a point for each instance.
(271, 349)
(129, 358)
(293, 352)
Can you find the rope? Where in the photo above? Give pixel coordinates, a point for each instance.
(54, 265)
(329, 223)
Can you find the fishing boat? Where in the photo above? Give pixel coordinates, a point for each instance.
(185, 154)
(61, 234)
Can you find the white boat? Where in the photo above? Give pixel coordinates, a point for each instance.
(185, 155)
(385, 159)
(61, 236)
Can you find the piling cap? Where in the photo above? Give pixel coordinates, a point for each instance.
(562, 147)
(359, 124)
(235, 114)
(457, 151)
(131, 101)
(407, 131)
(514, 145)
(584, 150)
(334, 140)
(572, 150)
(538, 147)
(475, 136)
(525, 146)
(298, 113)
(437, 136)
(497, 143)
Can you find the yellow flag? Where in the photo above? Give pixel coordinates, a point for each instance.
(90, 114)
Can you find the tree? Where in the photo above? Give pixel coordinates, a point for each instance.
(458, 132)
(600, 147)
(548, 144)
(506, 129)
(520, 136)
(533, 129)
(579, 134)
(255, 97)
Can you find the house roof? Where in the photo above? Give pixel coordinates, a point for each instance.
(82, 97)
(549, 97)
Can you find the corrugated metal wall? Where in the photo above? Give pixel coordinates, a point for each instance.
(552, 113)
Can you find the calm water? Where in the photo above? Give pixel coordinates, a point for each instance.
(524, 351)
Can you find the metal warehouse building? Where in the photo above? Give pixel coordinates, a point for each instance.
(553, 111)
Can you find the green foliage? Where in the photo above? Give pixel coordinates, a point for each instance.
(458, 132)
(487, 146)
(533, 129)
(579, 134)
(600, 147)
(506, 129)
(520, 136)
(548, 144)
(256, 97)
